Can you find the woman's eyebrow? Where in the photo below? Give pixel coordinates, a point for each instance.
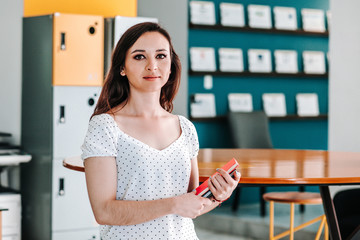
(141, 50)
(138, 50)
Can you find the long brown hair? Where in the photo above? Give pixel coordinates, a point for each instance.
(116, 88)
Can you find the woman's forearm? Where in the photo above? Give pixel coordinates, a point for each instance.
(122, 212)
(210, 207)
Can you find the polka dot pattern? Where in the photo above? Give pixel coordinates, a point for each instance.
(145, 173)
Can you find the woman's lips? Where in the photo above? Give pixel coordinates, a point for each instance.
(151, 78)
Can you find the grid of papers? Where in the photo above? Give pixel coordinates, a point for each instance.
(259, 16)
(259, 60)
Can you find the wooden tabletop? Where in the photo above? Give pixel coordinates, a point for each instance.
(276, 166)
(74, 163)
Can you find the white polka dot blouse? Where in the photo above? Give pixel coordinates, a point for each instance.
(145, 173)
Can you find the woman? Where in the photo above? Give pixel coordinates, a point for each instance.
(140, 160)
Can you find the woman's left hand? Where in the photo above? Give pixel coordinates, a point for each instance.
(222, 184)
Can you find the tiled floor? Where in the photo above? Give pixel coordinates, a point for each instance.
(210, 235)
(247, 224)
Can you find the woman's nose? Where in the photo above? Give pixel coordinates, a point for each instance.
(152, 65)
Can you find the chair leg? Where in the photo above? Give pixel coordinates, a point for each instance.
(326, 234)
(271, 224)
(292, 228)
(322, 223)
(292, 206)
(302, 206)
(235, 204)
(262, 202)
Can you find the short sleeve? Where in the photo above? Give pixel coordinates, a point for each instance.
(101, 138)
(191, 135)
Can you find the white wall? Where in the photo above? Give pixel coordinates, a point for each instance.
(344, 79)
(11, 12)
(172, 15)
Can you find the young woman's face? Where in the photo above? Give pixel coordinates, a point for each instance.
(148, 62)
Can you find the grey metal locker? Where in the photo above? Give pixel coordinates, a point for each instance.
(54, 122)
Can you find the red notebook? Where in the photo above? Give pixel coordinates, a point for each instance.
(204, 191)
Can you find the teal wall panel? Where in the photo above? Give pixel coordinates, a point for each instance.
(309, 134)
(300, 134)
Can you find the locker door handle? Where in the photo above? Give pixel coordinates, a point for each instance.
(62, 114)
(63, 45)
(61, 187)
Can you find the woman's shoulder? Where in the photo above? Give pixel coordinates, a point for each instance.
(185, 122)
(102, 116)
(103, 119)
(183, 119)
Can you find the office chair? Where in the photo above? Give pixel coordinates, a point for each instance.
(250, 130)
(346, 204)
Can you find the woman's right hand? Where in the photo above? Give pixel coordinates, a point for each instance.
(190, 205)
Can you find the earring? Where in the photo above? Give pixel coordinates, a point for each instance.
(122, 73)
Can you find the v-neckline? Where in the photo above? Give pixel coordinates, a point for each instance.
(145, 144)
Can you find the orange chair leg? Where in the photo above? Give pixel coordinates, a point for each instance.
(292, 209)
(271, 226)
(322, 223)
(292, 230)
(326, 234)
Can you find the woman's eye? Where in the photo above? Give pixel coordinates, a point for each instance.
(161, 56)
(139, 57)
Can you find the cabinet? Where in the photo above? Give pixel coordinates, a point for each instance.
(11, 219)
(77, 50)
(62, 79)
(287, 132)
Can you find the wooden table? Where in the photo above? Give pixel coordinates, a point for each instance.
(281, 168)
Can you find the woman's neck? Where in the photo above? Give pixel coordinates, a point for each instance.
(143, 105)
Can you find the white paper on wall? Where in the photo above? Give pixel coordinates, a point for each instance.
(285, 18)
(232, 14)
(286, 61)
(240, 102)
(259, 16)
(328, 19)
(202, 12)
(274, 104)
(259, 60)
(307, 104)
(231, 60)
(328, 57)
(314, 62)
(202, 59)
(203, 105)
(313, 20)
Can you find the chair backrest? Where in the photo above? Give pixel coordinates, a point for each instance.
(346, 203)
(250, 129)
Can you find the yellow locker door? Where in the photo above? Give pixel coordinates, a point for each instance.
(78, 50)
